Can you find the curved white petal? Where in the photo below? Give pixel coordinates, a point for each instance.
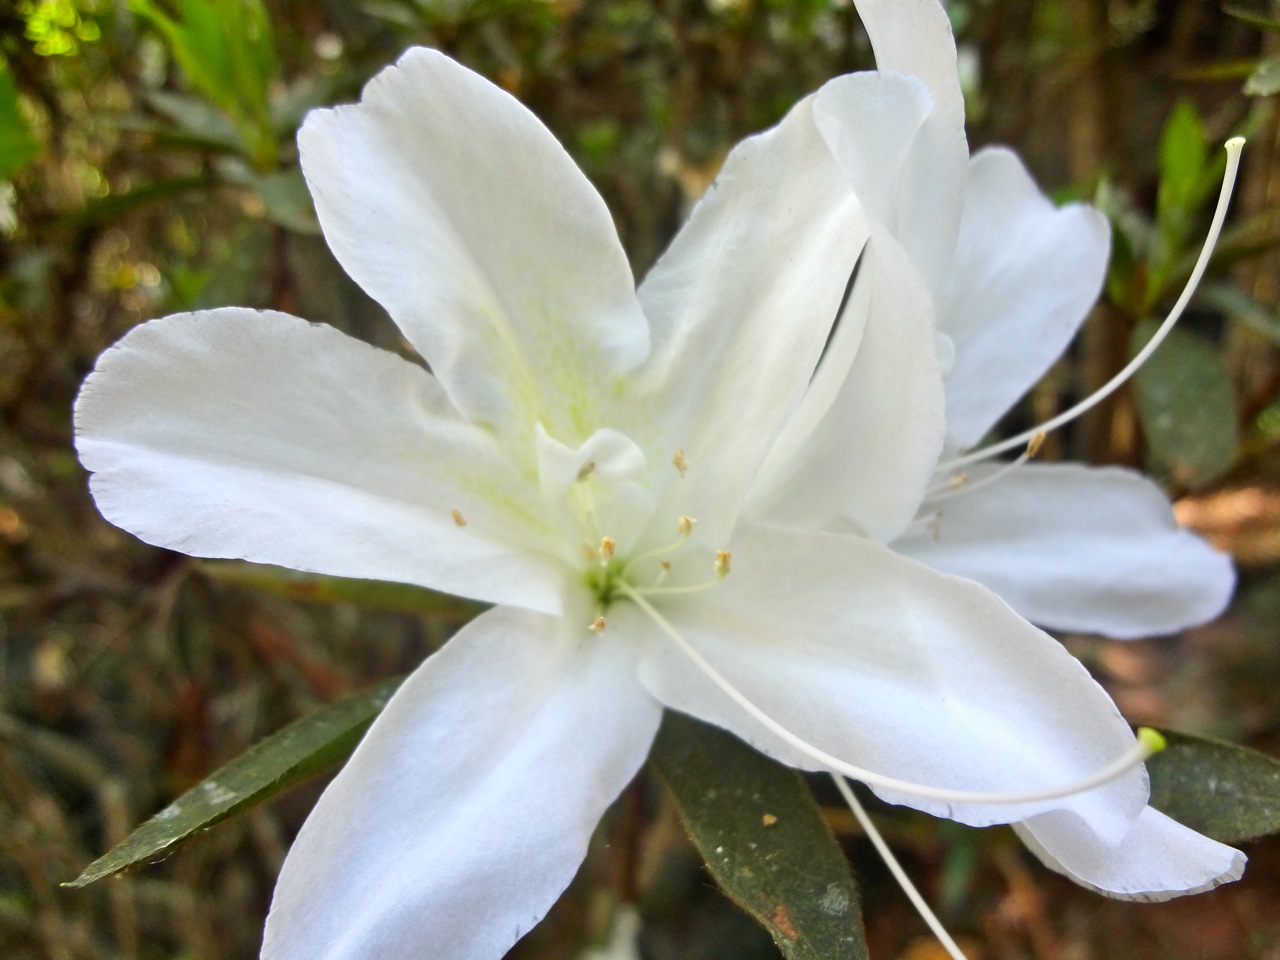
(1023, 279)
(1077, 548)
(255, 435)
(741, 305)
(871, 121)
(457, 210)
(468, 807)
(914, 37)
(869, 455)
(1158, 859)
(892, 667)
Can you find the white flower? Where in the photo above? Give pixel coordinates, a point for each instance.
(551, 463)
(1012, 277)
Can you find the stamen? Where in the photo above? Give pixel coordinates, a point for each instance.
(722, 564)
(607, 547)
(1233, 148)
(684, 527)
(597, 625)
(953, 489)
(890, 861)
(586, 470)
(458, 518)
(1148, 741)
(679, 462)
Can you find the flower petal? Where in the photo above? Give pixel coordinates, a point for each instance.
(914, 37)
(741, 305)
(1024, 277)
(457, 210)
(235, 433)
(468, 807)
(1078, 548)
(869, 455)
(895, 668)
(1159, 859)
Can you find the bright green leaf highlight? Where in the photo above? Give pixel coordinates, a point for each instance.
(282, 760)
(17, 145)
(56, 28)
(1228, 792)
(759, 831)
(1187, 407)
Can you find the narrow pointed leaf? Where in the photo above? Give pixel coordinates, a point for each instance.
(18, 146)
(1228, 792)
(759, 831)
(314, 588)
(282, 760)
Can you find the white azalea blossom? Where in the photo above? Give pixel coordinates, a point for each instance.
(1012, 277)
(633, 478)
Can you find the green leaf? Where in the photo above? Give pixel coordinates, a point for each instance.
(759, 831)
(1265, 80)
(116, 205)
(1186, 406)
(287, 200)
(314, 588)
(198, 119)
(226, 50)
(1182, 156)
(1251, 17)
(1239, 305)
(1225, 791)
(17, 145)
(282, 760)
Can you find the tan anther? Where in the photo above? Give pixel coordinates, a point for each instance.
(607, 547)
(666, 564)
(458, 518)
(1033, 447)
(597, 625)
(684, 524)
(679, 461)
(722, 563)
(958, 481)
(586, 470)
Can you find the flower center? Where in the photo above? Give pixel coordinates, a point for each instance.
(609, 576)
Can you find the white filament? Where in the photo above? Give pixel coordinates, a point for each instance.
(1142, 749)
(1233, 148)
(890, 861)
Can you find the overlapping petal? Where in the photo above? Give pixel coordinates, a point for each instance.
(1077, 548)
(1157, 860)
(1023, 279)
(458, 211)
(914, 37)
(256, 435)
(867, 456)
(898, 669)
(741, 305)
(468, 806)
